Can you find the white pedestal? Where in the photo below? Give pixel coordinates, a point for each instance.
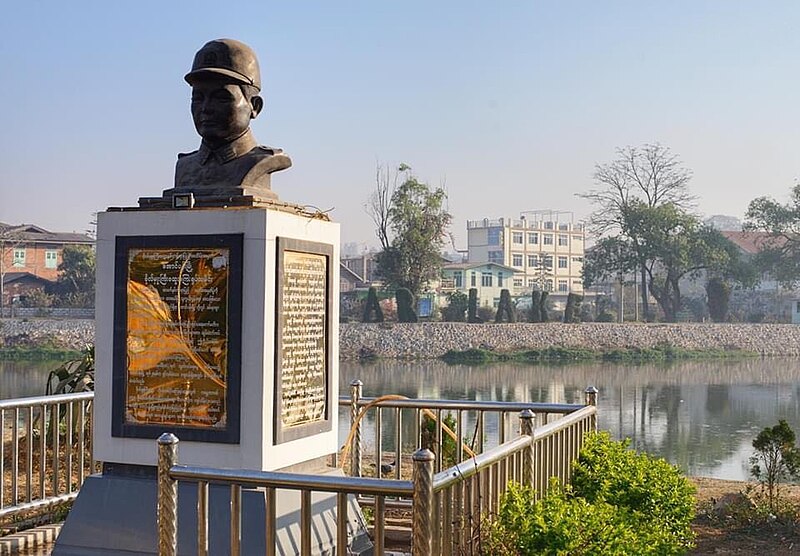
(259, 446)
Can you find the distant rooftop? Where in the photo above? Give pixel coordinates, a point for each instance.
(34, 233)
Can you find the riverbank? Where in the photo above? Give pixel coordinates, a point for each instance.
(44, 338)
(433, 340)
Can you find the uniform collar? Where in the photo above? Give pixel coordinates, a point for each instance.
(230, 151)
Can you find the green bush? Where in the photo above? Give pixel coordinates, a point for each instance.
(372, 309)
(658, 498)
(505, 309)
(561, 523)
(457, 303)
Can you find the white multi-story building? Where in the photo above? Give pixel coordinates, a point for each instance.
(546, 248)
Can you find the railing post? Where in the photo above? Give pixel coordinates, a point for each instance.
(355, 448)
(167, 495)
(527, 423)
(422, 514)
(591, 399)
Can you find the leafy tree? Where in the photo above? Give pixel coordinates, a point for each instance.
(776, 459)
(780, 254)
(411, 224)
(650, 175)
(670, 244)
(76, 276)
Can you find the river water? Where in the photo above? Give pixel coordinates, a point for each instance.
(701, 415)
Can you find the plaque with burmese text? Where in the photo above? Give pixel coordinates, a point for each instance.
(303, 361)
(177, 337)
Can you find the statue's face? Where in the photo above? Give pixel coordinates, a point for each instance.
(220, 111)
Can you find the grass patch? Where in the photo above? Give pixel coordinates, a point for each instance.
(557, 354)
(37, 353)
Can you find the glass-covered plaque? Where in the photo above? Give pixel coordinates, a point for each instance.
(177, 330)
(303, 354)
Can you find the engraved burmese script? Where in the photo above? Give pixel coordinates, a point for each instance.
(303, 338)
(177, 337)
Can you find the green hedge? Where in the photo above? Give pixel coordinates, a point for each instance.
(619, 502)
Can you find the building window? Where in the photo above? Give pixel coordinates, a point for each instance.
(533, 238)
(486, 279)
(548, 225)
(496, 257)
(533, 261)
(516, 238)
(51, 258)
(518, 284)
(577, 259)
(547, 262)
(563, 226)
(562, 286)
(472, 280)
(577, 284)
(548, 285)
(548, 239)
(516, 259)
(19, 257)
(562, 262)
(563, 240)
(457, 279)
(531, 282)
(499, 279)
(577, 238)
(494, 236)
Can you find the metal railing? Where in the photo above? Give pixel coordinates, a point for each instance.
(411, 423)
(447, 507)
(46, 451)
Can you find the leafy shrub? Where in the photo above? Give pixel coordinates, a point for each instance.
(372, 309)
(457, 303)
(776, 460)
(405, 305)
(560, 523)
(448, 444)
(472, 306)
(657, 497)
(505, 310)
(719, 296)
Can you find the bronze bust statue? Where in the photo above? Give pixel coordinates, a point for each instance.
(229, 168)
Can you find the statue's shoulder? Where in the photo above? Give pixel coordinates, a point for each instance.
(264, 150)
(184, 155)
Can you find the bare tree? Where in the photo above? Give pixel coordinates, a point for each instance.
(10, 237)
(380, 201)
(651, 175)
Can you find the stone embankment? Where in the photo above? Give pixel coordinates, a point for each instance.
(429, 340)
(68, 334)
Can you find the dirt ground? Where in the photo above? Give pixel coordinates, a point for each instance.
(718, 532)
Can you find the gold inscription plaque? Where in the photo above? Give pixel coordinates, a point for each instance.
(177, 337)
(303, 353)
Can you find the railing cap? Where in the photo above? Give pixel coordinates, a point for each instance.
(527, 414)
(423, 454)
(167, 438)
(591, 390)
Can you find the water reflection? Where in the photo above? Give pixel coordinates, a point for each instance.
(700, 415)
(20, 379)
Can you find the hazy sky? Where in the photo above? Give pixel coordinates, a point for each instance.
(510, 104)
